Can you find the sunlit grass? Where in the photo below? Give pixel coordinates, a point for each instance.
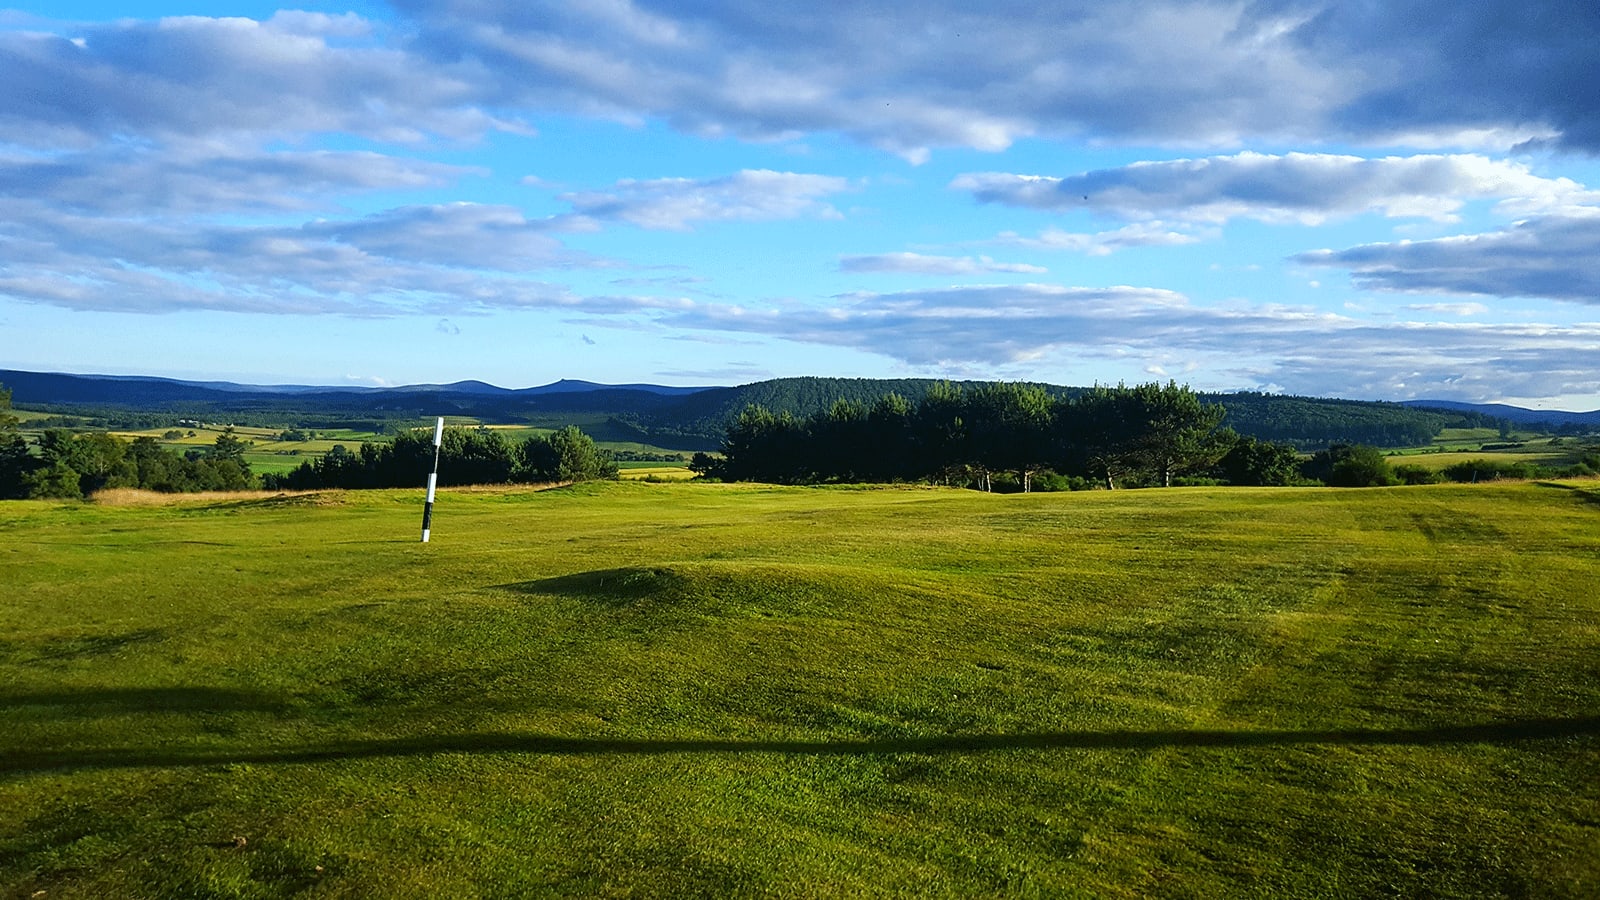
(677, 690)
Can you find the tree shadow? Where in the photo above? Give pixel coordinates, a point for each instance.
(1587, 496)
(115, 701)
(23, 761)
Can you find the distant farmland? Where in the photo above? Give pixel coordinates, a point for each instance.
(735, 690)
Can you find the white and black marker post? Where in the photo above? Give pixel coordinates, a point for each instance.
(433, 478)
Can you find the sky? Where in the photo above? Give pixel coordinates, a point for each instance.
(1374, 200)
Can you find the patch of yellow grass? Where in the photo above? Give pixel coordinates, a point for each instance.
(136, 497)
(500, 488)
(660, 473)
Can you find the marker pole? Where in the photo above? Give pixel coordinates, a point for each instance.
(433, 478)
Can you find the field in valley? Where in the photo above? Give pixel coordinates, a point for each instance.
(674, 690)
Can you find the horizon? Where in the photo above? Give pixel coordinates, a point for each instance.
(607, 384)
(1381, 204)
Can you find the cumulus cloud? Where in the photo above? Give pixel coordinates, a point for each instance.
(676, 204)
(377, 265)
(920, 264)
(981, 328)
(194, 79)
(910, 77)
(469, 235)
(1450, 309)
(145, 182)
(987, 324)
(1104, 243)
(68, 238)
(902, 77)
(1555, 257)
(1499, 70)
(1307, 188)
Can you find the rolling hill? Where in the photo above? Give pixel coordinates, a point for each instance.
(694, 417)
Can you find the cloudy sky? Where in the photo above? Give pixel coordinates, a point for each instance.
(1376, 200)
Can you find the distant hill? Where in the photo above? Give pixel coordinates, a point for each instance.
(1515, 414)
(138, 400)
(691, 417)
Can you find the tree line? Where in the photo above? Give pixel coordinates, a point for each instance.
(1111, 436)
(466, 456)
(1306, 422)
(72, 465)
(1025, 437)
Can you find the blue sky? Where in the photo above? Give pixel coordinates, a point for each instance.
(1377, 201)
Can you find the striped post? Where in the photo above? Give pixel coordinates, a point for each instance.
(433, 478)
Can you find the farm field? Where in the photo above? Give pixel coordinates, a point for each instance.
(673, 690)
(1531, 455)
(1460, 445)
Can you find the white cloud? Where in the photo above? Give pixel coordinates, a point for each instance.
(981, 329)
(468, 235)
(1306, 188)
(1104, 243)
(920, 264)
(1450, 309)
(373, 266)
(1555, 257)
(194, 79)
(676, 204)
(902, 77)
(142, 182)
(942, 73)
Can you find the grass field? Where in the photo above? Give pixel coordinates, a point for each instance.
(728, 690)
(654, 471)
(1465, 445)
(1534, 455)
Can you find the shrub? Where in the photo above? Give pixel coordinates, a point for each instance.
(1475, 470)
(1350, 465)
(1411, 473)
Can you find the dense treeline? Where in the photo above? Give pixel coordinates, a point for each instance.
(1305, 422)
(1150, 433)
(70, 465)
(708, 413)
(466, 456)
(1310, 422)
(1026, 435)
(77, 465)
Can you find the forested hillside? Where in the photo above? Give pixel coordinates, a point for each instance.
(1306, 422)
(679, 418)
(708, 413)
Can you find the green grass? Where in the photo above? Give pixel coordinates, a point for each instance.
(1465, 445)
(728, 690)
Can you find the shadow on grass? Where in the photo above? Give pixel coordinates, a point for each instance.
(1588, 496)
(608, 586)
(114, 701)
(21, 761)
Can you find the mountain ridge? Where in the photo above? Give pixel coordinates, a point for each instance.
(694, 418)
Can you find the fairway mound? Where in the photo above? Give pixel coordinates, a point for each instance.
(615, 587)
(719, 588)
